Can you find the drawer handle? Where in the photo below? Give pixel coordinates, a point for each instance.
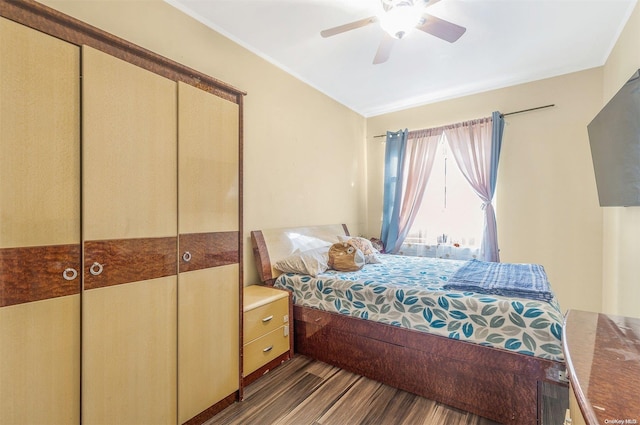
(266, 350)
(267, 319)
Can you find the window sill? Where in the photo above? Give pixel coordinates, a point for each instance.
(444, 251)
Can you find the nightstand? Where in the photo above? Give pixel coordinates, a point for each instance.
(266, 330)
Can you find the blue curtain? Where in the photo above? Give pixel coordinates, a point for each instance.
(393, 167)
(490, 241)
(496, 145)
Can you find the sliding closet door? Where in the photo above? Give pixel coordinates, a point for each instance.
(209, 281)
(130, 239)
(39, 228)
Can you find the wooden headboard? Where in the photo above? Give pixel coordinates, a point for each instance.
(271, 245)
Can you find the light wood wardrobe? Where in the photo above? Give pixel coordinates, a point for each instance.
(120, 229)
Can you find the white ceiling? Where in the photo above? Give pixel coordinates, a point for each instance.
(507, 42)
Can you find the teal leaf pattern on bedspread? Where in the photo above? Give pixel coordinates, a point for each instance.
(414, 298)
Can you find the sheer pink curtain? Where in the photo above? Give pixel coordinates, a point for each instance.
(470, 144)
(419, 157)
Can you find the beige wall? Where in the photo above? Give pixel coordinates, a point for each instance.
(621, 248)
(303, 152)
(547, 204)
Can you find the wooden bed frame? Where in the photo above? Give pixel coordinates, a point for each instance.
(497, 384)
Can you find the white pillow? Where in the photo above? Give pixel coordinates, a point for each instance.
(311, 262)
(363, 245)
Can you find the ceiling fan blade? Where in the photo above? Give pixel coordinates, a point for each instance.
(347, 27)
(440, 28)
(384, 49)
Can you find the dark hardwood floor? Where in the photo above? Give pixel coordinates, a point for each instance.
(303, 391)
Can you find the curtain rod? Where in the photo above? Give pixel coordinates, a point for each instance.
(527, 110)
(503, 115)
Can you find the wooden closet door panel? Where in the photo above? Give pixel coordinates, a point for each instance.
(129, 150)
(208, 338)
(209, 241)
(40, 145)
(208, 162)
(40, 362)
(129, 353)
(130, 239)
(39, 227)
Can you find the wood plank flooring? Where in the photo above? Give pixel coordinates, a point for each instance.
(303, 391)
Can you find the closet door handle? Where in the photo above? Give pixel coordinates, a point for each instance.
(186, 256)
(69, 273)
(96, 268)
(267, 319)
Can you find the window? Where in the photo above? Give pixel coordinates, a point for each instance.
(450, 220)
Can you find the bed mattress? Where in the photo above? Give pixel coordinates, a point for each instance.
(409, 292)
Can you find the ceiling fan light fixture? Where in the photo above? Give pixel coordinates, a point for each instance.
(397, 21)
(399, 17)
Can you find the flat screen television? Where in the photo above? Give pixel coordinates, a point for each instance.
(614, 137)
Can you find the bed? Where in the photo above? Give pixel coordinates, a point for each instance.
(483, 353)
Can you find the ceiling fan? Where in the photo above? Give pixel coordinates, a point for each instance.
(397, 19)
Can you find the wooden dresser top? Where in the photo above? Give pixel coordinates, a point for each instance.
(258, 295)
(603, 361)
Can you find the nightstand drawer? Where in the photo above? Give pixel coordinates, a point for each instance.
(265, 319)
(264, 349)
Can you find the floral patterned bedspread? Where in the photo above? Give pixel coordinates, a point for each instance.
(408, 292)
